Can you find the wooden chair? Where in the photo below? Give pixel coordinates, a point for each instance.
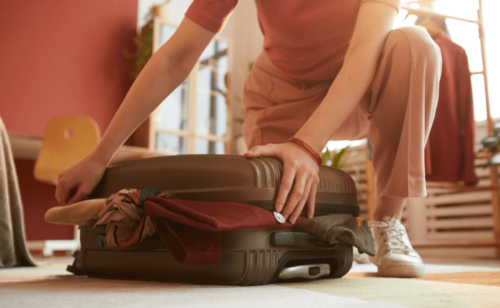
(67, 140)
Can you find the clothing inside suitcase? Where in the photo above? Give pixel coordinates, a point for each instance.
(251, 256)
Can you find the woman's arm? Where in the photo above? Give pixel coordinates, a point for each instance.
(373, 24)
(164, 72)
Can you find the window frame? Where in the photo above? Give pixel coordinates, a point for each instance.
(190, 134)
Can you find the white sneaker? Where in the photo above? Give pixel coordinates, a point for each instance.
(395, 256)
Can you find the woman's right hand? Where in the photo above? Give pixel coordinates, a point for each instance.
(78, 181)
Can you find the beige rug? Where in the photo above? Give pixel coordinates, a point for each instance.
(408, 292)
(443, 286)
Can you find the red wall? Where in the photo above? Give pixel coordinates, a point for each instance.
(60, 57)
(37, 198)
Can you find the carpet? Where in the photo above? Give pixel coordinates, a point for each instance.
(443, 286)
(478, 278)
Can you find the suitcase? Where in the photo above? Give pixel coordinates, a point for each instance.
(252, 256)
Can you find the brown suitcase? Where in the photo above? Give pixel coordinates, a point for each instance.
(250, 256)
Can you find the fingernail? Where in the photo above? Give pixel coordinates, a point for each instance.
(249, 152)
(292, 220)
(279, 207)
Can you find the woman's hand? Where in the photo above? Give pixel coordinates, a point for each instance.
(300, 172)
(78, 181)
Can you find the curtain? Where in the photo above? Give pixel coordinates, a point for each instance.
(13, 250)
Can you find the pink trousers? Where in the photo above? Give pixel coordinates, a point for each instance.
(396, 112)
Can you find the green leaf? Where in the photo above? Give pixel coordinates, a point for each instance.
(325, 157)
(337, 158)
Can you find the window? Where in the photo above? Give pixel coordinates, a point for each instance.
(194, 118)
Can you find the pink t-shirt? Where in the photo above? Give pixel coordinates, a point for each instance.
(305, 39)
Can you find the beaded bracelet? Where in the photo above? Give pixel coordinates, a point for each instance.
(306, 148)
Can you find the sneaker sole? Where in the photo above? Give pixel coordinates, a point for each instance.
(403, 271)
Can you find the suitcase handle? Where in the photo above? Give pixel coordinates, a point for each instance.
(310, 271)
(300, 260)
(301, 240)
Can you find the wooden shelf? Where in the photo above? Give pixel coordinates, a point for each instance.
(27, 147)
(443, 185)
(484, 155)
(461, 244)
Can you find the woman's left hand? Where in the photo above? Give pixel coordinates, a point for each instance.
(300, 173)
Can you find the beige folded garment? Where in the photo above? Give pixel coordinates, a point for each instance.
(122, 214)
(81, 213)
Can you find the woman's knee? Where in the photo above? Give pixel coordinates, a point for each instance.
(415, 43)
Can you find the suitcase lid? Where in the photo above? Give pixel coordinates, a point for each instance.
(230, 178)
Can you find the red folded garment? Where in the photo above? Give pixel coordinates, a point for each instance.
(191, 229)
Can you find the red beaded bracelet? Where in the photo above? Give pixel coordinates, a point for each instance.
(306, 148)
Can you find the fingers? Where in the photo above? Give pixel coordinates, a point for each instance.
(67, 193)
(62, 192)
(80, 194)
(57, 190)
(300, 205)
(312, 197)
(263, 150)
(296, 196)
(285, 187)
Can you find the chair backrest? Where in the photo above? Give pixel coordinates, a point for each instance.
(67, 140)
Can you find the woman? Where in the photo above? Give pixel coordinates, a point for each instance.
(330, 70)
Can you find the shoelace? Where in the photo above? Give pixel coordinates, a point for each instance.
(395, 236)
